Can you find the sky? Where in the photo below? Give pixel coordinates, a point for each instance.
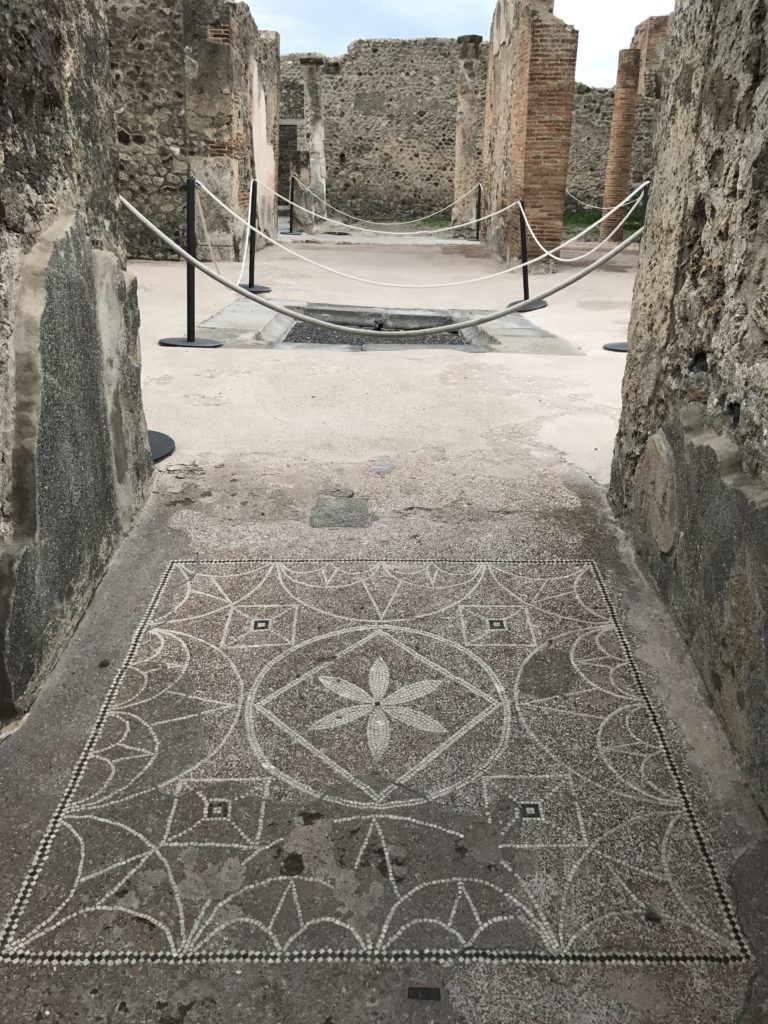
(329, 26)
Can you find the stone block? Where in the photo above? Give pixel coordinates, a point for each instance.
(74, 460)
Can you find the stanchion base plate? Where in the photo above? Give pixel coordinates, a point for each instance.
(534, 304)
(185, 343)
(257, 289)
(617, 346)
(291, 232)
(160, 445)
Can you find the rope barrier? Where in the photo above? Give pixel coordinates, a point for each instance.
(378, 223)
(565, 259)
(585, 255)
(374, 231)
(291, 250)
(295, 314)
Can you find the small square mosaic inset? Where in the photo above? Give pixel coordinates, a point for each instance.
(376, 761)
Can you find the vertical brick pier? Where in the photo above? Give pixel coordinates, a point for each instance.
(619, 171)
(529, 113)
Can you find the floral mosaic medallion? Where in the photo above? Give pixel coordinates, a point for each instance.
(376, 761)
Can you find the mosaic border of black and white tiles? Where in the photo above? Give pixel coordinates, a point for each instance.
(16, 955)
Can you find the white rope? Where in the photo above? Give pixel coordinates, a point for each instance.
(292, 251)
(589, 206)
(584, 255)
(423, 332)
(565, 259)
(390, 234)
(205, 232)
(381, 223)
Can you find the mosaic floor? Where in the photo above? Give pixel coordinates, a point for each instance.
(376, 761)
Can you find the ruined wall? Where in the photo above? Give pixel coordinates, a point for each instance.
(529, 110)
(193, 77)
(390, 124)
(690, 475)
(74, 463)
(592, 115)
(650, 38)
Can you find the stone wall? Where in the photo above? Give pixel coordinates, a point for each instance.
(74, 463)
(529, 110)
(193, 78)
(690, 476)
(390, 124)
(592, 115)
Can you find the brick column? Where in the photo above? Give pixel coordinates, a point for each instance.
(529, 113)
(314, 132)
(618, 174)
(469, 126)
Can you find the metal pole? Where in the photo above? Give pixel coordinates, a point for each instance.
(253, 220)
(478, 211)
(644, 204)
(524, 252)
(536, 303)
(192, 250)
(292, 195)
(252, 234)
(191, 340)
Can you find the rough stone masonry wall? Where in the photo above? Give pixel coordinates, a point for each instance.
(390, 124)
(529, 110)
(592, 115)
(690, 475)
(74, 464)
(196, 77)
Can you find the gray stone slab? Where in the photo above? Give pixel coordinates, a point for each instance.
(338, 510)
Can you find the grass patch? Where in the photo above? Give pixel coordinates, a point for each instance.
(573, 223)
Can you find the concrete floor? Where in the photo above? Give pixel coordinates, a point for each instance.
(465, 456)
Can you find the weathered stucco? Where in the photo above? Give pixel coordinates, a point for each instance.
(690, 472)
(469, 130)
(73, 450)
(193, 78)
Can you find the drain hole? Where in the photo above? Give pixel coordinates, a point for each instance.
(700, 363)
(310, 334)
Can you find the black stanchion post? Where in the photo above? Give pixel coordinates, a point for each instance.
(191, 341)
(253, 217)
(160, 445)
(292, 209)
(529, 306)
(478, 211)
(644, 204)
